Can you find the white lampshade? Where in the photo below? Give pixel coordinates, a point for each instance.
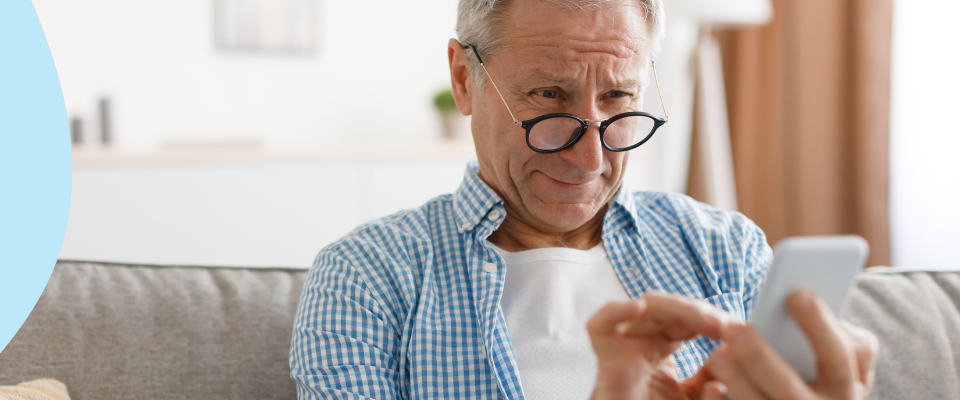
(722, 12)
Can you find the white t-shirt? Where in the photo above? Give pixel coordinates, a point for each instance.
(548, 297)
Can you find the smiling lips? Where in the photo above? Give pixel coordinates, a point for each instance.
(573, 184)
(556, 191)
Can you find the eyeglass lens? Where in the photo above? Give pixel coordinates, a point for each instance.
(555, 133)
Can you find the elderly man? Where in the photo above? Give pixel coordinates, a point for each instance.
(543, 276)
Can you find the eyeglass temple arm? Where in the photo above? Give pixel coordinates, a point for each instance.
(515, 122)
(655, 79)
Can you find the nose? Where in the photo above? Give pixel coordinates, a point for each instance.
(587, 153)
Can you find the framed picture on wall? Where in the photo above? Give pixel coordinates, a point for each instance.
(269, 26)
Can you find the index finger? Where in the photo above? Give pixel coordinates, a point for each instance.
(677, 318)
(606, 320)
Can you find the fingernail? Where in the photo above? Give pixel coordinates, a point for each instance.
(621, 329)
(640, 305)
(723, 389)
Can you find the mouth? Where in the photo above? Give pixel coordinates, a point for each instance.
(566, 190)
(572, 184)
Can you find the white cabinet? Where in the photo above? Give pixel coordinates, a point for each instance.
(245, 208)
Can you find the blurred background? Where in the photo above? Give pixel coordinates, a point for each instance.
(255, 132)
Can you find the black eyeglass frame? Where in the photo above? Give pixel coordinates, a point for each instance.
(584, 124)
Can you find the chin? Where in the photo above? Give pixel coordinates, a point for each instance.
(566, 217)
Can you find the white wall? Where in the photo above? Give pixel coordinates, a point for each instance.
(925, 135)
(377, 67)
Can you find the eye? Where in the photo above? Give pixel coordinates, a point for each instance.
(550, 94)
(618, 94)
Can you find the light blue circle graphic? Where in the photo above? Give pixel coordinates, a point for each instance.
(35, 164)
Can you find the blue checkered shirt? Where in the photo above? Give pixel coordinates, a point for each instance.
(407, 306)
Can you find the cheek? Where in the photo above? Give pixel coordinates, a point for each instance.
(618, 161)
(519, 159)
(498, 132)
(487, 135)
(512, 143)
(505, 150)
(614, 169)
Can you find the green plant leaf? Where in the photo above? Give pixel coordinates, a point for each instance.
(444, 100)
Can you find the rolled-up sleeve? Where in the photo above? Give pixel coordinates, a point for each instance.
(344, 344)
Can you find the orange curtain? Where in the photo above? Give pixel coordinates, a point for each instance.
(808, 97)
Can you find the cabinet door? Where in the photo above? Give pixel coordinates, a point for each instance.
(239, 215)
(249, 215)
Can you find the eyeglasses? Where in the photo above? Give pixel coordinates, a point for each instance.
(555, 132)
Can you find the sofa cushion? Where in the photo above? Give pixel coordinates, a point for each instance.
(916, 318)
(111, 331)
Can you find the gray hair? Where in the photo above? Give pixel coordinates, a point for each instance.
(479, 22)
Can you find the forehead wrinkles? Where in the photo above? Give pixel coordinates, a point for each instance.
(567, 66)
(574, 43)
(568, 43)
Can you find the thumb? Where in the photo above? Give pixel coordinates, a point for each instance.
(713, 390)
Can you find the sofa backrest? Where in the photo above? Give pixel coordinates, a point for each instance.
(111, 331)
(148, 332)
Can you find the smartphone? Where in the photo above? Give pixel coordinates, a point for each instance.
(826, 265)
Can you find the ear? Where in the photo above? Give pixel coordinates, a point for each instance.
(461, 79)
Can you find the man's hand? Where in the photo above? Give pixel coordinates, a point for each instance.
(745, 367)
(634, 342)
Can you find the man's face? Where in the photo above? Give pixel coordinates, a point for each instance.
(591, 63)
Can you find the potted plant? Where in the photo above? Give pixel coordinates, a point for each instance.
(454, 126)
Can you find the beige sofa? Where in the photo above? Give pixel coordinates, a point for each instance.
(117, 331)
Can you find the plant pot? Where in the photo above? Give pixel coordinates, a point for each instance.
(455, 125)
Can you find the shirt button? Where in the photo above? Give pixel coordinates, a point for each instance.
(465, 226)
(483, 352)
(494, 215)
(490, 268)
